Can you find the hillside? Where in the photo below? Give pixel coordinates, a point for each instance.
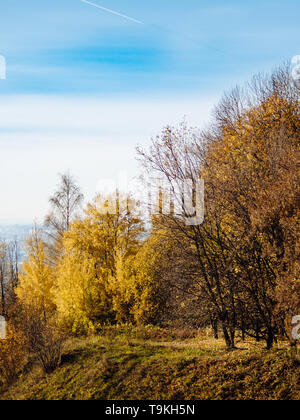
(159, 364)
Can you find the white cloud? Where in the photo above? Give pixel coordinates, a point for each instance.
(94, 138)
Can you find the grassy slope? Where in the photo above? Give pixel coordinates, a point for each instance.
(122, 366)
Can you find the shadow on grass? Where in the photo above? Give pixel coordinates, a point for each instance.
(72, 356)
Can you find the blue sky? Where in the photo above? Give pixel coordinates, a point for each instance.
(67, 46)
(85, 83)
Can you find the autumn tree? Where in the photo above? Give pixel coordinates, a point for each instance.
(178, 157)
(9, 274)
(87, 272)
(140, 291)
(36, 284)
(254, 169)
(248, 161)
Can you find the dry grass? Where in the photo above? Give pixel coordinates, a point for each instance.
(122, 365)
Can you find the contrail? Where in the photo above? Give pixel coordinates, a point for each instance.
(113, 12)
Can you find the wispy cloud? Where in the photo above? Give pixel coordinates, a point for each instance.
(113, 12)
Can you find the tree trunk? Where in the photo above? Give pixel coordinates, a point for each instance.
(270, 339)
(257, 333)
(215, 328)
(232, 336)
(227, 337)
(243, 329)
(214, 325)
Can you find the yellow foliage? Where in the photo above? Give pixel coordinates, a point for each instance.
(80, 293)
(12, 355)
(137, 295)
(36, 284)
(94, 248)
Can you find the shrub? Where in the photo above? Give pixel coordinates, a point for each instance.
(12, 356)
(45, 339)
